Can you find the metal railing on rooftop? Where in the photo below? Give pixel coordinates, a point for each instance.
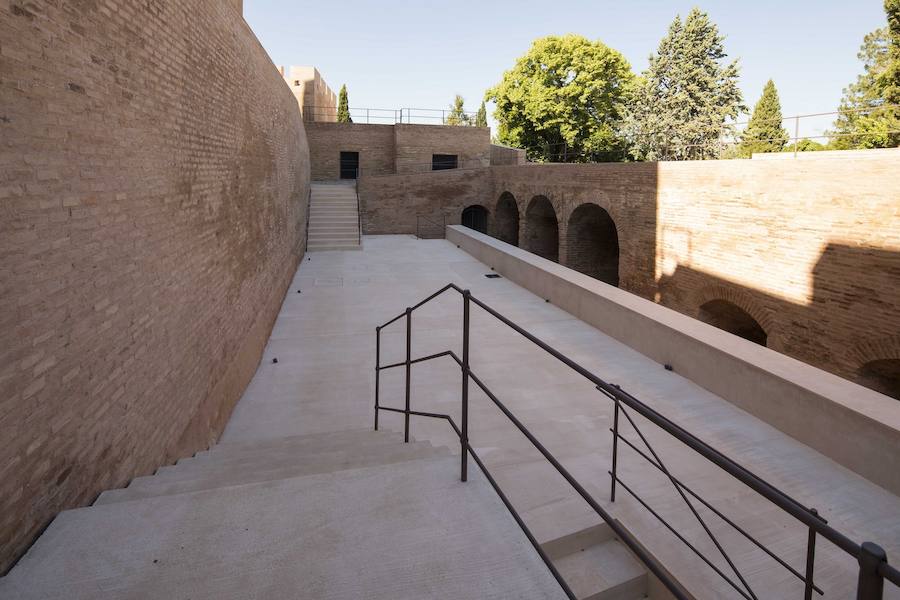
(872, 559)
(390, 116)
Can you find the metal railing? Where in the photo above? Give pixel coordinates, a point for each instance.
(872, 559)
(389, 116)
(420, 219)
(358, 211)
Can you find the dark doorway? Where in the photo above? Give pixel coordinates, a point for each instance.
(593, 244)
(440, 162)
(882, 376)
(506, 219)
(733, 319)
(475, 217)
(349, 165)
(542, 229)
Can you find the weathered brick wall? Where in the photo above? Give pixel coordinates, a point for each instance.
(375, 144)
(415, 145)
(393, 149)
(390, 204)
(153, 182)
(504, 155)
(810, 249)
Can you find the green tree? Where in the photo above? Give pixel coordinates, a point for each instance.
(481, 116)
(564, 100)
(764, 132)
(457, 115)
(343, 108)
(686, 95)
(870, 117)
(805, 145)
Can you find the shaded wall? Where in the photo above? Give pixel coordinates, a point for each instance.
(152, 212)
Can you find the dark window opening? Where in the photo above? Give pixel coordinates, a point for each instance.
(475, 217)
(506, 219)
(349, 165)
(441, 162)
(733, 319)
(593, 244)
(541, 229)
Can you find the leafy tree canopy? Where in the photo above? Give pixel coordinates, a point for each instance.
(564, 100)
(343, 109)
(764, 132)
(457, 114)
(805, 145)
(481, 116)
(686, 94)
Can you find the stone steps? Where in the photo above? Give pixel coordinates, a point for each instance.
(596, 565)
(333, 218)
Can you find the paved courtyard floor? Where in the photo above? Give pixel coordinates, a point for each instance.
(324, 340)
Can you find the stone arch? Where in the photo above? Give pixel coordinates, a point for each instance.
(475, 217)
(506, 219)
(730, 317)
(879, 365)
(745, 302)
(592, 243)
(542, 229)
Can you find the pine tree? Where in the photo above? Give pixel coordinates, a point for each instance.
(343, 108)
(891, 76)
(764, 132)
(481, 116)
(686, 95)
(457, 115)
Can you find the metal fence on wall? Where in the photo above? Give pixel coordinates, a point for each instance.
(390, 116)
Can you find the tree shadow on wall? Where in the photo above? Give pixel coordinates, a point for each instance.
(850, 326)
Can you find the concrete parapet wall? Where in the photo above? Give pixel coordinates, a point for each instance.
(852, 425)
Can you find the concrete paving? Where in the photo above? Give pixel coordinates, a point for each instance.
(324, 340)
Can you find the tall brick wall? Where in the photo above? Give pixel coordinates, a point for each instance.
(153, 185)
(394, 149)
(810, 249)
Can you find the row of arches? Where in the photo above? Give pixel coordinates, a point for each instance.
(592, 248)
(592, 241)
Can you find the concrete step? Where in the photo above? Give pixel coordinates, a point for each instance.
(326, 247)
(323, 536)
(597, 566)
(214, 475)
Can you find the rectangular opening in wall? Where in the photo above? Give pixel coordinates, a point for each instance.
(440, 162)
(349, 165)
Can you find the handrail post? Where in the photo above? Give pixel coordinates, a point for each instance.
(408, 366)
(810, 560)
(615, 451)
(464, 435)
(377, 371)
(871, 585)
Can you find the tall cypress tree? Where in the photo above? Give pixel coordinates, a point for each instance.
(764, 132)
(343, 108)
(481, 116)
(686, 96)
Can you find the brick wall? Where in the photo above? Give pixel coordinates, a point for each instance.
(810, 249)
(375, 144)
(393, 149)
(504, 155)
(415, 145)
(152, 207)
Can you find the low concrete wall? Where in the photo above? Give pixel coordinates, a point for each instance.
(850, 424)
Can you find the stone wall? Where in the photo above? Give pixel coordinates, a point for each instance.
(394, 149)
(810, 249)
(315, 98)
(504, 155)
(152, 210)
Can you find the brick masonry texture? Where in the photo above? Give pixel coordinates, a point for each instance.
(810, 249)
(393, 149)
(152, 210)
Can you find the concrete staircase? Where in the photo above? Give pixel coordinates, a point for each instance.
(333, 217)
(597, 566)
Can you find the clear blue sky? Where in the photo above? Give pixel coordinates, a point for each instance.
(402, 53)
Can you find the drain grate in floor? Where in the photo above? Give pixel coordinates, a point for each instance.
(492, 276)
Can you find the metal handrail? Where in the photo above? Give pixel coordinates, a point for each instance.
(420, 218)
(872, 559)
(308, 209)
(358, 211)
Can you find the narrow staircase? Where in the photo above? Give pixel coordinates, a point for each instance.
(333, 217)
